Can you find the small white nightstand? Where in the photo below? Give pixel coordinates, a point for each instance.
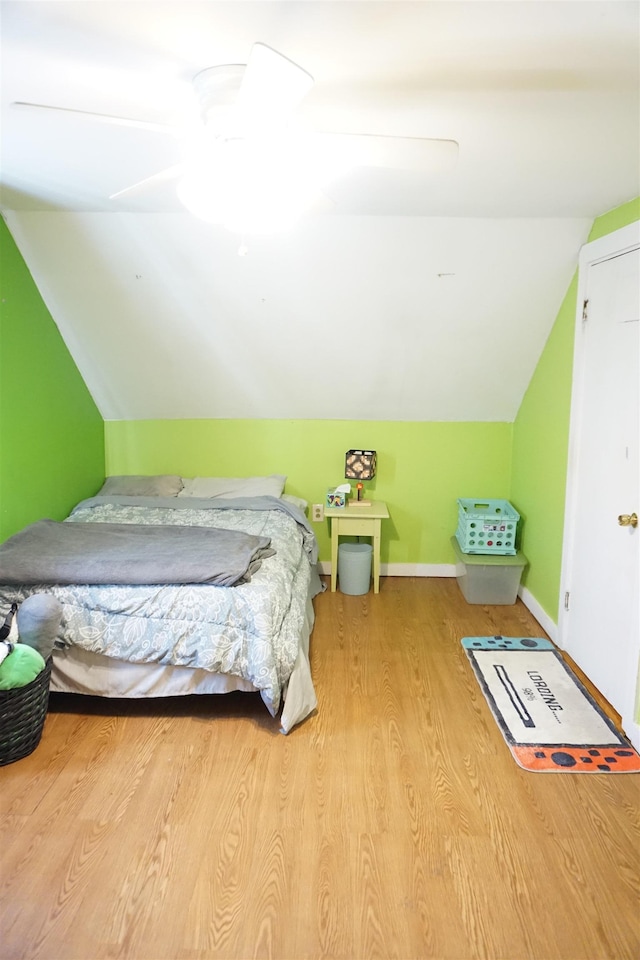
(357, 522)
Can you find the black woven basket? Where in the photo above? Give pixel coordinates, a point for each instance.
(22, 715)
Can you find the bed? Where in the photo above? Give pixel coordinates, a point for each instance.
(240, 624)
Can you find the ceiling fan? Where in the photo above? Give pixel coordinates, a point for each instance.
(251, 164)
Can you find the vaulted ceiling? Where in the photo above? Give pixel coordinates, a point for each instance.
(407, 294)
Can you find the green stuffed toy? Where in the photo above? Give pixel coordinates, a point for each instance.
(21, 667)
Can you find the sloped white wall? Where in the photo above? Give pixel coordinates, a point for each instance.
(382, 318)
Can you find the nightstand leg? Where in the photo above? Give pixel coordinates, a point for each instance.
(376, 557)
(334, 556)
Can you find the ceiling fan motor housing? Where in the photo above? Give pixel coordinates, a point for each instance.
(217, 89)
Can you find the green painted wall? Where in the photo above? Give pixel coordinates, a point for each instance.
(615, 219)
(51, 433)
(541, 440)
(422, 467)
(53, 450)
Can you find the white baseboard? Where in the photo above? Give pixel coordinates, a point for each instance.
(404, 569)
(418, 569)
(543, 618)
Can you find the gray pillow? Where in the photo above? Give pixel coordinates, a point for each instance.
(165, 485)
(232, 487)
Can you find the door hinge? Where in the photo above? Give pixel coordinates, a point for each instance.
(585, 309)
(566, 600)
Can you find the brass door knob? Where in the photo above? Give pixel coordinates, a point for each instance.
(628, 519)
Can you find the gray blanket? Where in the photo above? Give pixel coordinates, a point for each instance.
(127, 553)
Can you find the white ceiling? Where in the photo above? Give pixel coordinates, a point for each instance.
(543, 98)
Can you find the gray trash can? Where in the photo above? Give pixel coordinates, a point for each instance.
(354, 567)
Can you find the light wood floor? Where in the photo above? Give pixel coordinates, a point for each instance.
(392, 824)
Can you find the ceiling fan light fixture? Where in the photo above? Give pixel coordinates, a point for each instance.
(243, 209)
(256, 185)
(236, 209)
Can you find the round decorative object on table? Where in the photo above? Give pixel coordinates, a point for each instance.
(23, 711)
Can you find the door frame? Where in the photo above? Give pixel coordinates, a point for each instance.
(611, 245)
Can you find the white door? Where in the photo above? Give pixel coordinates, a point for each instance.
(600, 596)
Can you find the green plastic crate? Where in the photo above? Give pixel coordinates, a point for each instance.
(487, 527)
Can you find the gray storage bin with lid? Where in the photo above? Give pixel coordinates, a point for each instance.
(488, 579)
(354, 567)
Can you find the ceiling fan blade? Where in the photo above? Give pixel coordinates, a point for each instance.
(399, 153)
(272, 87)
(168, 174)
(100, 117)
